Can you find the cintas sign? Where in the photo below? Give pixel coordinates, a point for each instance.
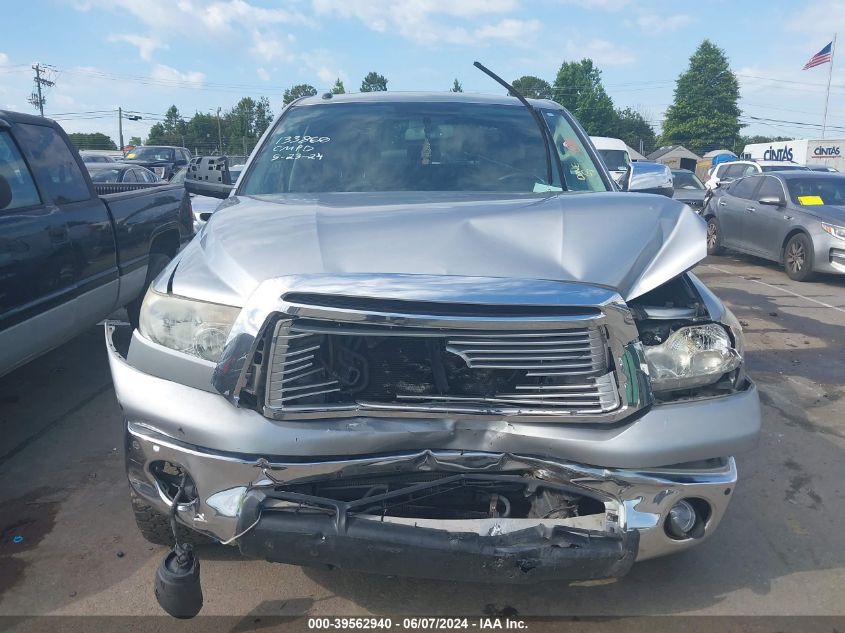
(780, 153)
(830, 151)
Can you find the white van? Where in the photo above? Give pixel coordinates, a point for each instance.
(614, 153)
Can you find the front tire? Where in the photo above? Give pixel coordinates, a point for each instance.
(798, 258)
(157, 263)
(714, 237)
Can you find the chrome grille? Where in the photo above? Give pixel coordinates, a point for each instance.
(556, 370)
(565, 353)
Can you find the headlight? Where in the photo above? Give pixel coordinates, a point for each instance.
(835, 231)
(691, 356)
(192, 327)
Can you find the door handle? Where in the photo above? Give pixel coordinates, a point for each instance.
(722, 203)
(750, 209)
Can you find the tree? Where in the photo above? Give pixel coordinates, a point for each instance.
(170, 131)
(337, 88)
(533, 87)
(578, 88)
(374, 82)
(263, 116)
(299, 90)
(93, 140)
(135, 141)
(704, 114)
(456, 86)
(632, 127)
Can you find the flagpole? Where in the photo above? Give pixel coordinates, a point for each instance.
(829, 75)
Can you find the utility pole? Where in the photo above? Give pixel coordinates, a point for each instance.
(130, 117)
(36, 98)
(219, 133)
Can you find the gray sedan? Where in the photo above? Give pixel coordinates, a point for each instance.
(794, 218)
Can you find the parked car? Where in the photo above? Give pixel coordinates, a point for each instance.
(730, 171)
(69, 256)
(204, 206)
(95, 157)
(614, 154)
(794, 218)
(414, 341)
(688, 188)
(162, 160)
(120, 172)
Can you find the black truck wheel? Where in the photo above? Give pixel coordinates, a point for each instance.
(157, 263)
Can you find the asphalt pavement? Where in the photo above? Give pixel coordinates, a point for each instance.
(779, 550)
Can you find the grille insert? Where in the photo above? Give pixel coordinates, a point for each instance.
(322, 366)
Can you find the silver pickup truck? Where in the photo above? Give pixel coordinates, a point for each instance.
(427, 335)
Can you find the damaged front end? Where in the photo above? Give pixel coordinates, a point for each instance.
(481, 429)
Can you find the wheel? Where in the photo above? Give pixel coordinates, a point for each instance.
(157, 263)
(798, 258)
(714, 237)
(155, 526)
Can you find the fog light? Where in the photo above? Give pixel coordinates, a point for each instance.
(681, 520)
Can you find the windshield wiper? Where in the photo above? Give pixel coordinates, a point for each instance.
(541, 124)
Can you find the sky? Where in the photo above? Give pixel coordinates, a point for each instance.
(144, 55)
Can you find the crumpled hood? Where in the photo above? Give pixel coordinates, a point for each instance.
(629, 242)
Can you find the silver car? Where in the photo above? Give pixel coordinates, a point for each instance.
(796, 218)
(427, 335)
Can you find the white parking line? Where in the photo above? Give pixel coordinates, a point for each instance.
(763, 283)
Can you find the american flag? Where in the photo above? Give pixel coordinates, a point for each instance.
(822, 57)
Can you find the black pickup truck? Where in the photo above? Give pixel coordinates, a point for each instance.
(72, 252)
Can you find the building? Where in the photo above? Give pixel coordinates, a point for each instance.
(675, 156)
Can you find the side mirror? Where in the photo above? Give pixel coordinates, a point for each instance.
(650, 178)
(209, 176)
(775, 201)
(5, 193)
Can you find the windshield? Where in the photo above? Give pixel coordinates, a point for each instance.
(151, 153)
(397, 146)
(686, 180)
(817, 190)
(615, 159)
(105, 175)
(783, 167)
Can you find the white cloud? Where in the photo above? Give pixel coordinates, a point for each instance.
(4, 59)
(163, 73)
(654, 23)
(602, 52)
(269, 47)
(195, 17)
(435, 21)
(601, 5)
(146, 45)
(262, 73)
(321, 63)
(817, 19)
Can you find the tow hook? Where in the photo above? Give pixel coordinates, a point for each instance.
(177, 581)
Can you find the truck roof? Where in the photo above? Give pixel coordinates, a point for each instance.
(425, 97)
(19, 117)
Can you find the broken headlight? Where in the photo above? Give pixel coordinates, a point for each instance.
(186, 325)
(692, 356)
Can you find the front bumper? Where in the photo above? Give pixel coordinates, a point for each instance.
(242, 463)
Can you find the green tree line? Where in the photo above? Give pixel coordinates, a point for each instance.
(704, 114)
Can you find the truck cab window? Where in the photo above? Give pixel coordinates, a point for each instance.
(14, 170)
(54, 166)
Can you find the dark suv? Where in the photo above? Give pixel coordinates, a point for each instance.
(162, 160)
